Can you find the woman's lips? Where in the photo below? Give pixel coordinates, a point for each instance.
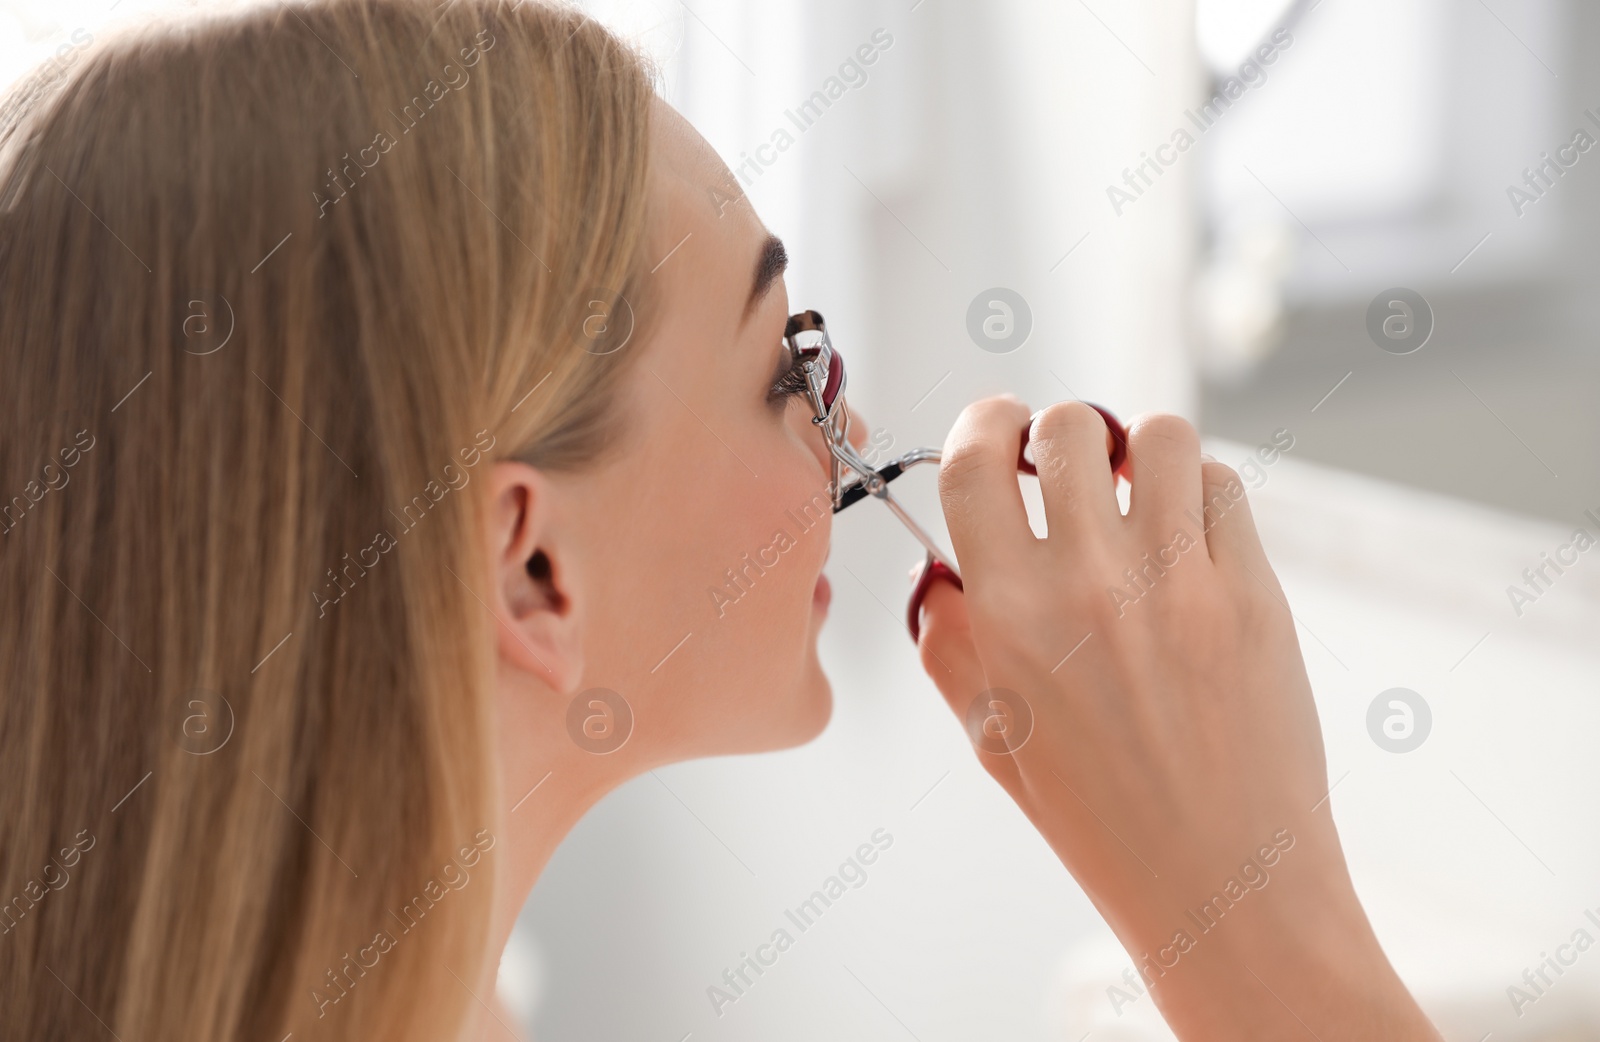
(823, 594)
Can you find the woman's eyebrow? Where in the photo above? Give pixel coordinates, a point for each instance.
(769, 265)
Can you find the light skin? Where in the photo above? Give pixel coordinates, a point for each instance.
(1174, 737)
(1186, 724)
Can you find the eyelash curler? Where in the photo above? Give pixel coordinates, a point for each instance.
(806, 336)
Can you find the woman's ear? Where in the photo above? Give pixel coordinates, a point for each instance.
(533, 591)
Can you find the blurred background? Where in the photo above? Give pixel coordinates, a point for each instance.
(1360, 226)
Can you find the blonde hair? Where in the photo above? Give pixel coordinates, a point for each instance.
(278, 284)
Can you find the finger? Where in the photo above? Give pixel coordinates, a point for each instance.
(1164, 461)
(978, 485)
(1069, 442)
(1231, 537)
(950, 658)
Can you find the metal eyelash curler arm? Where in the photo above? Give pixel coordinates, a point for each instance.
(807, 338)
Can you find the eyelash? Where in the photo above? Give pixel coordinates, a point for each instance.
(790, 384)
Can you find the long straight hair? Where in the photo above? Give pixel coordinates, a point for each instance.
(276, 285)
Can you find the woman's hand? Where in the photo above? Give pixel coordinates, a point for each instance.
(1135, 684)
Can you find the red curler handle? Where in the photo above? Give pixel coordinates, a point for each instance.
(1116, 443)
(934, 569)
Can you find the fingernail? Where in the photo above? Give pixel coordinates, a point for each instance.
(916, 571)
(1206, 457)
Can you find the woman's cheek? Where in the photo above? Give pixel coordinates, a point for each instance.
(767, 552)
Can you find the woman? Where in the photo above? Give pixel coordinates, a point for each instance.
(390, 383)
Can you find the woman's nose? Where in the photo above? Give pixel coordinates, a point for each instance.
(858, 428)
